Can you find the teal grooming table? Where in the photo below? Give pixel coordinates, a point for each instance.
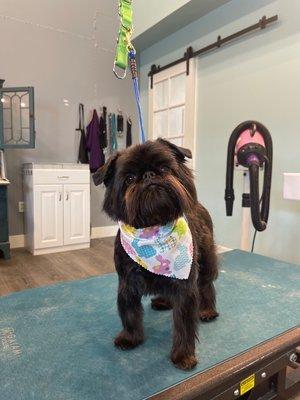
(56, 341)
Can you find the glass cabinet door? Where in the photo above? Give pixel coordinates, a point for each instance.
(17, 117)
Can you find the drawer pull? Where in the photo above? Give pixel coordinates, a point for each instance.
(63, 177)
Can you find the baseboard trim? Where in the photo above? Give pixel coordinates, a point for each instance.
(223, 249)
(99, 232)
(17, 241)
(60, 249)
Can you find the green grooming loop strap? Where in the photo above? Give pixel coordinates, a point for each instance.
(125, 10)
(124, 37)
(121, 60)
(125, 54)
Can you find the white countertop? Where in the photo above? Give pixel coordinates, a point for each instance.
(68, 166)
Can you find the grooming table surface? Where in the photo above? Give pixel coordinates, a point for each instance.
(56, 341)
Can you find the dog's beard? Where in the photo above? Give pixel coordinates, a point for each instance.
(156, 203)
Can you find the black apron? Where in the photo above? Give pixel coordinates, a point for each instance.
(82, 153)
(103, 129)
(129, 133)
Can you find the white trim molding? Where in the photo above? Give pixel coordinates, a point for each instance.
(99, 232)
(59, 249)
(222, 249)
(17, 241)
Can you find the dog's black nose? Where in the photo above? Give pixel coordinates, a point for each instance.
(148, 175)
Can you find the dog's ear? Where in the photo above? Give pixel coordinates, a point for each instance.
(180, 152)
(105, 173)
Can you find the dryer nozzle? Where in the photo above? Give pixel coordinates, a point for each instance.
(229, 199)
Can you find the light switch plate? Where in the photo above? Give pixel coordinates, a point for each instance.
(21, 206)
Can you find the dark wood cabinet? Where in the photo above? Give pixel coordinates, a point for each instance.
(4, 238)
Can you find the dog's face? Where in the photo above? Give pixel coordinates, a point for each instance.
(147, 184)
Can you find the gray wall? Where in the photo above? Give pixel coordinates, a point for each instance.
(65, 49)
(254, 78)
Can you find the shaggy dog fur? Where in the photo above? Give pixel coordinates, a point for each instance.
(147, 185)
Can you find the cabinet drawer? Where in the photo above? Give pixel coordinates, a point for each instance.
(60, 176)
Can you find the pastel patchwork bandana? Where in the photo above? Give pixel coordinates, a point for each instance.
(163, 250)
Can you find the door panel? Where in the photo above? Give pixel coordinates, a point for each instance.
(76, 214)
(161, 95)
(160, 124)
(177, 89)
(48, 208)
(172, 103)
(176, 122)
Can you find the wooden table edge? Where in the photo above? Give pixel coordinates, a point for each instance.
(235, 367)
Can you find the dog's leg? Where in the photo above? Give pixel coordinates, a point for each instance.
(185, 324)
(161, 303)
(208, 273)
(131, 313)
(208, 310)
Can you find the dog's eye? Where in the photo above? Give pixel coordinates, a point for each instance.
(130, 178)
(164, 169)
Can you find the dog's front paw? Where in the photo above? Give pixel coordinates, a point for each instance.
(183, 361)
(125, 341)
(208, 315)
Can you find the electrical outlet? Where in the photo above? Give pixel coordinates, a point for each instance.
(21, 206)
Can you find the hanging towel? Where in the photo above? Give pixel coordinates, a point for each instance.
(109, 144)
(103, 129)
(113, 133)
(82, 153)
(120, 124)
(129, 133)
(93, 145)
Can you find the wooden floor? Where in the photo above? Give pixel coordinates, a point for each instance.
(25, 271)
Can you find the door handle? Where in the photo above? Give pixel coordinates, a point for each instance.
(59, 196)
(67, 198)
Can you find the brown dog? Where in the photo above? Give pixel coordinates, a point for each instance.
(149, 185)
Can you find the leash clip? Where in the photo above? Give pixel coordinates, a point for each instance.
(116, 72)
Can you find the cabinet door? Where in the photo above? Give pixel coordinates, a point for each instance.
(76, 213)
(48, 216)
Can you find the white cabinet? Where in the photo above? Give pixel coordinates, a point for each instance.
(57, 207)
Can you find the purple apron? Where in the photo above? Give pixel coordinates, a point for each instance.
(93, 144)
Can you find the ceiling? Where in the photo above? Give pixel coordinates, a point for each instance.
(189, 12)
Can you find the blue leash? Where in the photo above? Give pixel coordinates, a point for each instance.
(133, 68)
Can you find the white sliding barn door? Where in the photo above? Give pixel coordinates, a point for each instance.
(172, 103)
